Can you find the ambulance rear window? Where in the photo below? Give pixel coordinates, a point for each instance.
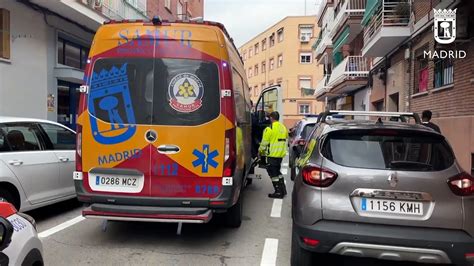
(154, 91)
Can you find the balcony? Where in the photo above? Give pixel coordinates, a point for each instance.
(128, 9)
(350, 74)
(386, 25)
(322, 44)
(322, 86)
(348, 12)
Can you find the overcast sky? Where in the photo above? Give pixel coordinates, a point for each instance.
(244, 19)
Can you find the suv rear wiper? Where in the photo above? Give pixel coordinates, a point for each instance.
(410, 165)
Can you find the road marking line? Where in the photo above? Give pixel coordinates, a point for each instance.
(285, 164)
(276, 208)
(284, 171)
(60, 227)
(270, 250)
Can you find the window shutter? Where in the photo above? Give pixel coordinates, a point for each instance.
(5, 33)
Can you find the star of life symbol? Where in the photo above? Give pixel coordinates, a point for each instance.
(205, 158)
(444, 25)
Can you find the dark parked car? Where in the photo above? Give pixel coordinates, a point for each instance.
(381, 189)
(298, 139)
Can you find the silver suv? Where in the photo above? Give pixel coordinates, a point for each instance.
(381, 189)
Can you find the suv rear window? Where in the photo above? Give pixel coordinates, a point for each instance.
(154, 91)
(388, 149)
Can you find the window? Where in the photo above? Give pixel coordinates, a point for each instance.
(4, 33)
(168, 4)
(256, 48)
(306, 58)
(280, 61)
(20, 137)
(306, 33)
(255, 91)
(59, 137)
(404, 150)
(72, 54)
(272, 40)
(305, 86)
(304, 109)
(255, 70)
(272, 63)
(245, 55)
(239, 98)
(151, 104)
(422, 75)
(264, 44)
(443, 72)
(250, 52)
(179, 10)
(264, 67)
(250, 72)
(280, 35)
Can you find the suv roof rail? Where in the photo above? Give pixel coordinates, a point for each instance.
(402, 115)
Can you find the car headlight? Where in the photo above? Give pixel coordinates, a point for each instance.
(28, 218)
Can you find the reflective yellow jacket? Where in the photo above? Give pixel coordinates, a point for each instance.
(274, 141)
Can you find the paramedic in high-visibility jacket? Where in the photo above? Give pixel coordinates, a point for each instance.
(273, 146)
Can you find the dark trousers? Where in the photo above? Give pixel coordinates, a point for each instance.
(273, 166)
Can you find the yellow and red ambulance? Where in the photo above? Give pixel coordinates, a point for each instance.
(164, 124)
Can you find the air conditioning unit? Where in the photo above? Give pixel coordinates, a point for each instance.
(304, 38)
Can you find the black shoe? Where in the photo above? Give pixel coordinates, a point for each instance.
(276, 195)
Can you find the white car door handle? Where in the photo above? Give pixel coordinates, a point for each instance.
(15, 162)
(64, 159)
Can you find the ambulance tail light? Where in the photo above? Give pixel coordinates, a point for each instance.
(79, 148)
(229, 153)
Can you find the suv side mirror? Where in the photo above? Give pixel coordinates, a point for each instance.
(6, 232)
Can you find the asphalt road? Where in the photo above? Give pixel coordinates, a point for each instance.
(263, 239)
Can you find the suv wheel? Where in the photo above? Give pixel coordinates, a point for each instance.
(233, 216)
(299, 255)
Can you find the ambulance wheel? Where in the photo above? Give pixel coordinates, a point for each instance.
(233, 216)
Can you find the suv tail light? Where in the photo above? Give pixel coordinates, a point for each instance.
(229, 155)
(462, 184)
(316, 176)
(79, 148)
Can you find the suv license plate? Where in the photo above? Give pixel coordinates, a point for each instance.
(392, 206)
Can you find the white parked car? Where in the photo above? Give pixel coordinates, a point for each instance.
(19, 242)
(37, 160)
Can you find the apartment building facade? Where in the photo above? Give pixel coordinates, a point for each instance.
(44, 47)
(282, 55)
(175, 9)
(398, 38)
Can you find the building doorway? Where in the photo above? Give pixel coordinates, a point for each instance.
(393, 103)
(68, 100)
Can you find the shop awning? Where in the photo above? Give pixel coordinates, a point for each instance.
(370, 7)
(341, 40)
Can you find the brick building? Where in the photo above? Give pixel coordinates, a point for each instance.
(173, 9)
(397, 34)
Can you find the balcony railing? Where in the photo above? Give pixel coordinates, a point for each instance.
(344, 9)
(352, 67)
(325, 41)
(322, 86)
(390, 14)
